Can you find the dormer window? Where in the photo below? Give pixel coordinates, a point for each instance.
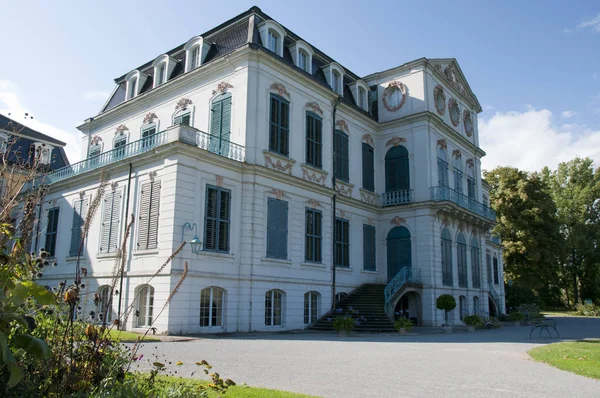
(336, 81)
(362, 98)
(302, 53)
(335, 77)
(45, 156)
(273, 41)
(272, 36)
(132, 88)
(160, 79)
(303, 60)
(196, 50)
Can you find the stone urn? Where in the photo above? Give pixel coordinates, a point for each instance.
(402, 331)
(343, 333)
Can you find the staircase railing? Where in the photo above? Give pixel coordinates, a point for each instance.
(405, 275)
(495, 296)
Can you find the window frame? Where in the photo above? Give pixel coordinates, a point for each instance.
(314, 144)
(148, 303)
(461, 261)
(475, 264)
(311, 307)
(217, 219)
(367, 230)
(105, 300)
(368, 168)
(273, 38)
(213, 312)
(272, 298)
(447, 259)
(341, 156)
(341, 256)
(496, 270)
(280, 143)
(277, 233)
(52, 223)
(314, 236)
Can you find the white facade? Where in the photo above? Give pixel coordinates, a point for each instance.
(178, 159)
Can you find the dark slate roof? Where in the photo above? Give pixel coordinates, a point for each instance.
(21, 144)
(226, 38)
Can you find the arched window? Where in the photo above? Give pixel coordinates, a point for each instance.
(471, 187)
(476, 305)
(475, 263)
(461, 246)
(446, 258)
(273, 41)
(398, 251)
(311, 307)
(274, 308)
(220, 124)
(104, 307)
(183, 117)
(340, 296)
(145, 307)
(442, 162)
(195, 57)
(211, 307)
(397, 176)
(149, 135)
(95, 150)
(120, 141)
(462, 305)
(132, 87)
(458, 175)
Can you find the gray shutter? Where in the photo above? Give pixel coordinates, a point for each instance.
(369, 262)
(224, 217)
(106, 218)
(210, 224)
(149, 206)
(277, 229)
(114, 222)
(80, 208)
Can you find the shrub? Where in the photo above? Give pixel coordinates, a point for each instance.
(530, 311)
(495, 322)
(588, 309)
(516, 316)
(473, 320)
(346, 320)
(403, 323)
(447, 303)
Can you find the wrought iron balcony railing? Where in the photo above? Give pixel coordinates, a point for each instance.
(446, 193)
(186, 134)
(404, 276)
(396, 197)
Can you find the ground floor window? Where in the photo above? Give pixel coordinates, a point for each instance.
(145, 306)
(211, 307)
(340, 296)
(462, 301)
(274, 308)
(311, 307)
(476, 305)
(104, 306)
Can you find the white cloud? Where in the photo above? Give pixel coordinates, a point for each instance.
(531, 140)
(11, 103)
(96, 95)
(568, 114)
(592, 23)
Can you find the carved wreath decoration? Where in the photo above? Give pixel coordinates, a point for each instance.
(439, 97)
(468, 123)
(454, 112)
(393, 88)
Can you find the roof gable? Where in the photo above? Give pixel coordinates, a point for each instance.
(454, 77)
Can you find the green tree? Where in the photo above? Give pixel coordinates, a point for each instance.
(575, 189)
(528, 227)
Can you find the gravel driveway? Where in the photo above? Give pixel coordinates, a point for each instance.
(487, 363)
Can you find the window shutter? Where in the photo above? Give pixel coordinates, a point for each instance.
(80, 208)
(368, 167)
(284, 128)
(114, 222)
(226, 119)
(273, 139)
(277, 229)
(149, 213)
(369, 261)
(224, 213)
(106, 218)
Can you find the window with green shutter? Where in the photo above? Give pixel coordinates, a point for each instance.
(341, 157)
(461, 247)
(217, 219)
(342, 243)
(52, 231)
(149, 212)
(313, 238)
(220, 124)
(369, 244)
(110, 222)
(277, 229)
(80, 208)
(447, 278)
(279, 125)
(314, 140)
(368, 167)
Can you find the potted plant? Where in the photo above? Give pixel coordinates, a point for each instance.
(403, 325)
(516, 317)
(447, 303)
(345, 321)
(472, 322)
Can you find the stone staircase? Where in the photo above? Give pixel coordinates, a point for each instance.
(369, 301)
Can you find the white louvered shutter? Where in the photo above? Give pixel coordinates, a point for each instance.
(106, 217)
(80, 208)
(149, 206)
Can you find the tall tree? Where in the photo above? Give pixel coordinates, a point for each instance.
(528, 227)
(575, 189)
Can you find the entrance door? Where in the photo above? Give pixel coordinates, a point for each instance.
(398, 251)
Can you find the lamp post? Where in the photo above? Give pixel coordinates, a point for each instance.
(195, 243)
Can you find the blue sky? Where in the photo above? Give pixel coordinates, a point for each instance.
(534, 65)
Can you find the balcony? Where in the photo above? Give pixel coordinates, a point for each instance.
(185, 134)
(396, 197)
(439, 194)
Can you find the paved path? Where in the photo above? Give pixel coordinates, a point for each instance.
(487, 363)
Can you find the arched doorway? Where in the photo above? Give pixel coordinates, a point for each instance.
(398, 251)
(409, 307)
(493, 310)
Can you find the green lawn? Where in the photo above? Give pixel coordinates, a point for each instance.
(565, 313)
(124, 336)
(580, 357)
(238, 391)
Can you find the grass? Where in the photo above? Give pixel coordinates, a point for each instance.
(125, 337)
(565, 313)
(580, 357)
(238, 391)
